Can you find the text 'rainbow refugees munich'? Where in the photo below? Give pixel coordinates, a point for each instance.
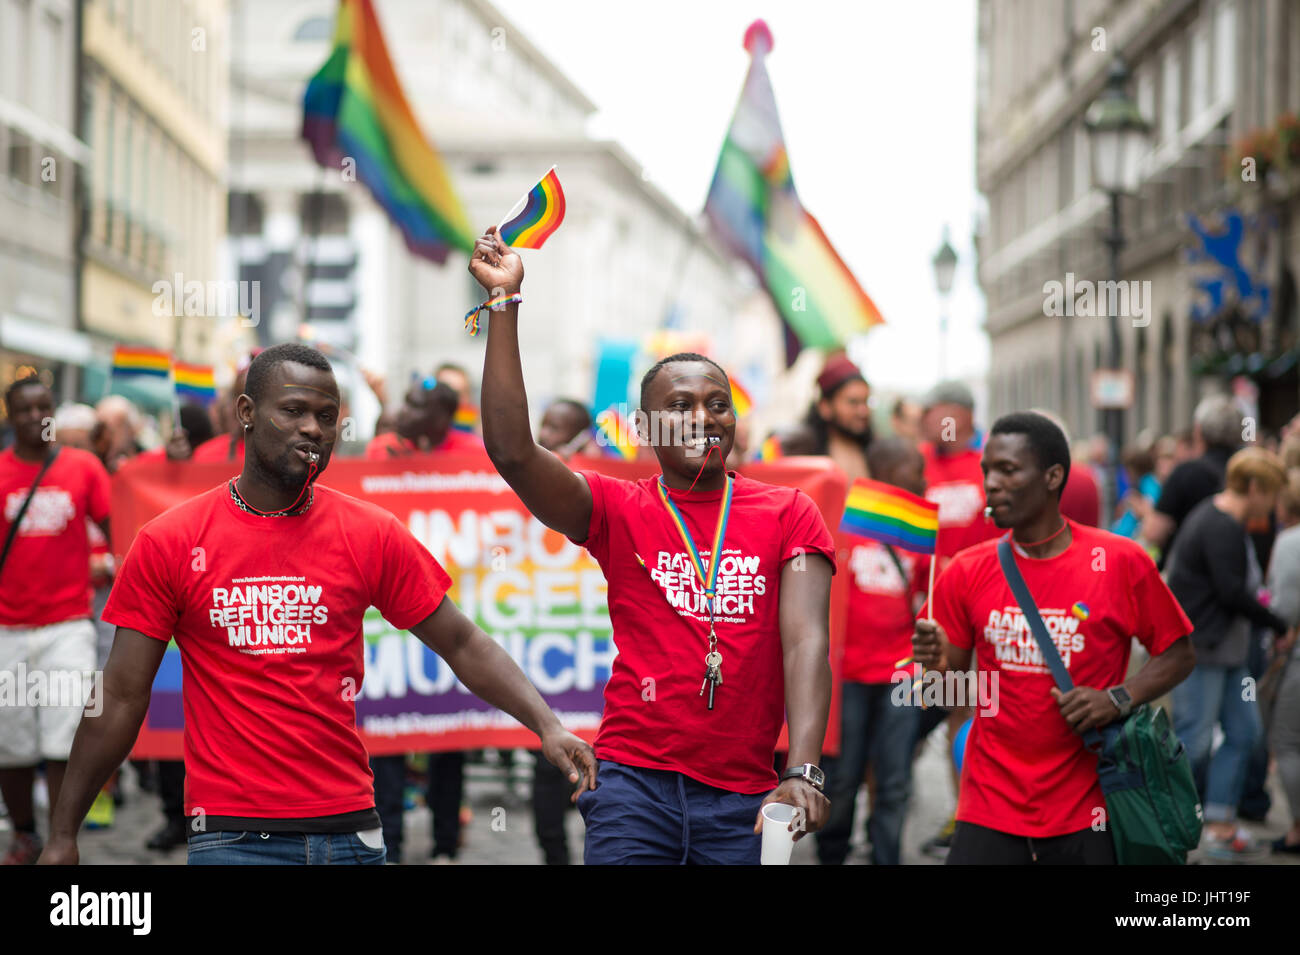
(264, 617)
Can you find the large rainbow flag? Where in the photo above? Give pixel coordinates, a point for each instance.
(891, 515)
(354, 107)
(754, 208)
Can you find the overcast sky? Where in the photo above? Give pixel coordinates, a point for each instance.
(877, 100)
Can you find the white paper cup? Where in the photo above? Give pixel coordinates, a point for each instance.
(778, 840)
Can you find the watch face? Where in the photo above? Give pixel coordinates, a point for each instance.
(816, 776)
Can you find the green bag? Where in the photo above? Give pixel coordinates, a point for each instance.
(1152, 808)
(1151, 801)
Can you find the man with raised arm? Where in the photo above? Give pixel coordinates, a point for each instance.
(719, 590)
(264, 581)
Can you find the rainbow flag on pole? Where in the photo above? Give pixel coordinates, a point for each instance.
(465, 420)
(754, 208)
(130, 361)
(541, 215)
(614, 435)
(195, 382)
(354, 109)
(891, 515)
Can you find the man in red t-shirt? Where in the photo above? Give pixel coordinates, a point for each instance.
(1030, 791)
(702, 565)
(46, 636)
(877, 723)
(424, 424)
(264, 581)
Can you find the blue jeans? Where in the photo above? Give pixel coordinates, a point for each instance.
(875, 731)
(282, 848)
(640, 816)
(1214, 695)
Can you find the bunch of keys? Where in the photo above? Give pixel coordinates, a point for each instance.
(712, 675)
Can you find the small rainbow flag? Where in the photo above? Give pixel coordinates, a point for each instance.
(129, 360)
(1080, 610)
(195, 382)
(740, 399)
(465, 420)
(770, 449)
(542, 214)
(891, 515)
(614, 435)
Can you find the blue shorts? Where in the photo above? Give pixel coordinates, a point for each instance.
(640, 816)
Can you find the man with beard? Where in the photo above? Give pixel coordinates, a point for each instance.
(264, 581)
(840, 419)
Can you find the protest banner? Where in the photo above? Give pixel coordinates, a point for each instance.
(539, 595)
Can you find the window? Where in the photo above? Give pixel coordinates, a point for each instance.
(14, 71)
(22, 158)
(244, 214)
(324, 213)
(1225, 53)
(1171, 99)
(313, 28)
(1198, 74)
(1082, 162)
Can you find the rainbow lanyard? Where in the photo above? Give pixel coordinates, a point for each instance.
(708, 576)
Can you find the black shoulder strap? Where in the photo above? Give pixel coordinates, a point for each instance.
(31, 493)
(907, 580)
(1036, 626)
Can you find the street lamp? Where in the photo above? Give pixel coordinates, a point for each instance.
(945, 266)
(1119, 140)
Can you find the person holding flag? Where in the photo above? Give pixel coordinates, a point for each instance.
(719, 596)
(1029, 789)
(893, 528)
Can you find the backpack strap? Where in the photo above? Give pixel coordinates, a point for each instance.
(22, 510)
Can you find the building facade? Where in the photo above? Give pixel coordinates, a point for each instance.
(40, 153)
(154, 87)
(1206, 298)
(625, 258)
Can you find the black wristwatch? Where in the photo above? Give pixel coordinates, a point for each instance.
(1123, 702)
(809, 773)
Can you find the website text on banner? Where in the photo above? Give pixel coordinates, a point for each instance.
(540, 596)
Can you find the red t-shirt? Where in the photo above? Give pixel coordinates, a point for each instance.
(393, 445)
(956, 483)
(267, 614)
(881, 611)
(654, 715)
(1026, 772)
(1080, 499)
(219, 449)
(46, 578)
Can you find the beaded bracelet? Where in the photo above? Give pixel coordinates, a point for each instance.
(471, 317)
